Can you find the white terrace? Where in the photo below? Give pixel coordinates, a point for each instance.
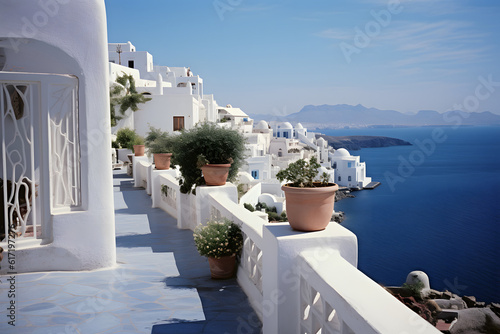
(297, 282)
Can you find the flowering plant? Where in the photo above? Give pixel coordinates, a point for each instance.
(218, 238)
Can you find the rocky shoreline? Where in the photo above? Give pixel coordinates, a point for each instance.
(448, 312)
(354, 143)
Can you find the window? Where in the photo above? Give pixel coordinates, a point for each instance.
(178, 123)
(340, 179)
(255, 174)
(131, 63)
(349, 164)
(278, 134)
(334, 165)
(349, 178)
(285, 134)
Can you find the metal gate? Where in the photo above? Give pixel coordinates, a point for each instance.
(39, 150)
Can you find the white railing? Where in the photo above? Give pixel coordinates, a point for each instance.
(250, 268)
(298, 282)
(335, 297)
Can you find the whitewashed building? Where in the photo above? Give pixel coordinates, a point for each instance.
(55, 136)
(349, 171)
(177, 98)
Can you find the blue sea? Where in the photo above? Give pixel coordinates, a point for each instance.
(437, 210)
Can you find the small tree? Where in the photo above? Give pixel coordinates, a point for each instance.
(302, 173)
(206, 143)
(126, 138)
(125, 95)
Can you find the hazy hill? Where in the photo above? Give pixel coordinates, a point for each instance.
(342, 115)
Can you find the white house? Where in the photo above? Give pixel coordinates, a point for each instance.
(55, 139)
(349, 171)
(177, 98)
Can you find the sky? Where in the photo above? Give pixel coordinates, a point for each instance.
(274, 57)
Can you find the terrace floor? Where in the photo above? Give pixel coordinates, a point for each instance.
(159, 285)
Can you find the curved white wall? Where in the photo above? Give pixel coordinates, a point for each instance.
(70, 37)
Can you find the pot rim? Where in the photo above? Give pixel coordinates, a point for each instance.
(331, 187)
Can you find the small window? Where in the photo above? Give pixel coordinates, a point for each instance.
(255, 174)
(278, 134)
(178, 123)
(340, 179)
(349, 164)
(334, 165)
(285, 134)
(349, 178)
(131, 64)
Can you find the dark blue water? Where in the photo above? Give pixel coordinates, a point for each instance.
(437, 210)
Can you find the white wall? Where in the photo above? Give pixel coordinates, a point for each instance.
(159, 112)
(72, 42)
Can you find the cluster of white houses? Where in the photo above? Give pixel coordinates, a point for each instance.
(178, 102)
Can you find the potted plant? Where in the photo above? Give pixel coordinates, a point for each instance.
(160, 144)
(138, 146)
(220, 241)
(309, 203)
(202, 146)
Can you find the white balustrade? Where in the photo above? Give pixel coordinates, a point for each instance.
(298, 282)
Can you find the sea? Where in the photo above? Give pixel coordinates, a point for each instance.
(437, 208)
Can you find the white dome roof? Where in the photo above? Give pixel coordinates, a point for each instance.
(262, 125)
(321, 140)
(286, 125)
(299, 126)
(341, 152)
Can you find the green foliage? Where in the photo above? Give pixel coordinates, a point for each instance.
(126, 137)
(158, 141)
(125, 96)
(218, 238)
(414, 288)
(272, 213)
(301, 173)
(138, 140)
(211, 144)
(249, 207)
(115, 144)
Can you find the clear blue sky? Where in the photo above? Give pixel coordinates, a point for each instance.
(274, 57)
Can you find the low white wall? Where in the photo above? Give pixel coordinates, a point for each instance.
(252, 195)
(170, 201)
(296, 280)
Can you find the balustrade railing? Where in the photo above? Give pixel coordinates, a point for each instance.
(300, 282)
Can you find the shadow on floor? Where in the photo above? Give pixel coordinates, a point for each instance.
(225, 305)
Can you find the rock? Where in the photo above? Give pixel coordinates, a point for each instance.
(446, 295)
(433, 307)
(480, 304)
(433, 294)
(476, 321)
(495, 307)
(470, 301)
(451, 304)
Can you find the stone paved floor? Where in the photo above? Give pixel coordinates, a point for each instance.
(159, 285)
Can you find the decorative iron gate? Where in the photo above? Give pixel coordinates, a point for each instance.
(39, 151)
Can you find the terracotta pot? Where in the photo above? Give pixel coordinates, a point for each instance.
(215, 174)
(222, 268)
(139, 150)
(309, 209)
(162, 160)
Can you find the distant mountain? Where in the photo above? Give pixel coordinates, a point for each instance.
(344, 115)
